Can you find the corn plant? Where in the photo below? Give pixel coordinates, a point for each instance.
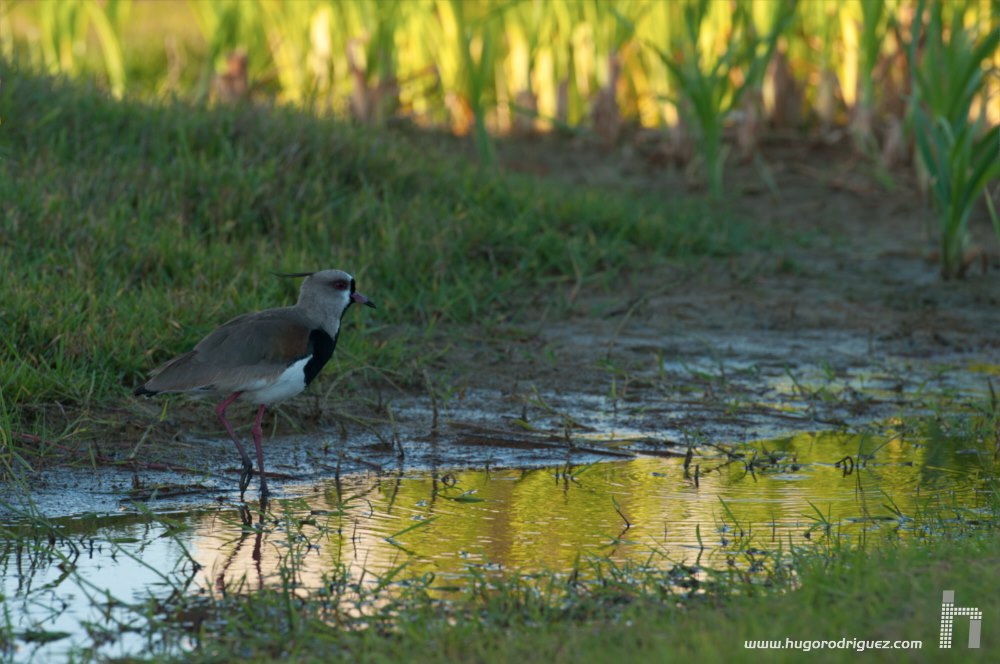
(475, 40)
(813, 50)
(373, 55)
(65, 28)
(6, 35)
(522, 22)
(873, 31)
(496, 65)
(227, 25)
(310, 50)
(960, 154)
(707, 89)
(648, 74)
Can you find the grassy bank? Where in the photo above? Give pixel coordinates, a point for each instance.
(129, 229)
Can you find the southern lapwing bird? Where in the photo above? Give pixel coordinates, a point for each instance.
(264, 357)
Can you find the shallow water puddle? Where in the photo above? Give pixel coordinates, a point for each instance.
(791, 490)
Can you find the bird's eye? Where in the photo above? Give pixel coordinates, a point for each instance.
(340, 284)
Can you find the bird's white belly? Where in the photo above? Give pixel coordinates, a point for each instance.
(288, 384)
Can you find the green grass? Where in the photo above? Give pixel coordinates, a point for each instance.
(890, 594)
(129, 229)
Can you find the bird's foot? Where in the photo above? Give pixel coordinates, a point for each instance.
(245, 516)
(264, 493)
(245, 476)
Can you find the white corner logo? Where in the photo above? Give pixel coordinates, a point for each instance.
(948, 613)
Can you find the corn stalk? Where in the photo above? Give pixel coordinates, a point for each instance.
(708, 90)
(959, 151)
(872, 33)
(65, 29)
(227, 26)
(471, 66)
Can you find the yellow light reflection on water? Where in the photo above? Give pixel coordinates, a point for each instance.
(542, 519)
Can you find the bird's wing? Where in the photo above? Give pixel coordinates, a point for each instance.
(245, 353)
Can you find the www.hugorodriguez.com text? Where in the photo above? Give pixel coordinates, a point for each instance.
(860, 645)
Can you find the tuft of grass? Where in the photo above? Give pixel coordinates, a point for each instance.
(131, 229)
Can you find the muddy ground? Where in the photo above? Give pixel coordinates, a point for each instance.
(855, 275)
(842, 321)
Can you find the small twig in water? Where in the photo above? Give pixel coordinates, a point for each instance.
(434, 402)
(614, 501)
(142, 439)
(847, 463)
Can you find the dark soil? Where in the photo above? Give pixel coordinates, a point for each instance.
(855, 266)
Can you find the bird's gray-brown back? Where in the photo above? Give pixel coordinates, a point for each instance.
(249, 348)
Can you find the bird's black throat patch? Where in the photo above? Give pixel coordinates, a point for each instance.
(321, 347)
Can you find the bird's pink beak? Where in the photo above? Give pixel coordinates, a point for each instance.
(361, 299)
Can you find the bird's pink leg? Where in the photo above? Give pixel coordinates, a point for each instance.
(257, 435)
(247, 473)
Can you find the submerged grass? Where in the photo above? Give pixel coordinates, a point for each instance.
(890, 595)
(836, 583)
(831, 588)
(128, 229)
